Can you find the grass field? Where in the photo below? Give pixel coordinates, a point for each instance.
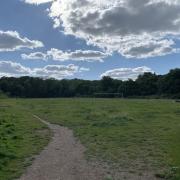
(21, 137)
(136, 135)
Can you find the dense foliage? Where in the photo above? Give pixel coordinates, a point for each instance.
(146, 85)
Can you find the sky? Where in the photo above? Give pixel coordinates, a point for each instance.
(89, 39)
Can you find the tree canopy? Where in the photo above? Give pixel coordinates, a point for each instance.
(148, 84)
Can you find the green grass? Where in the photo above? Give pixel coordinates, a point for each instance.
(136, 135)
(21, 137)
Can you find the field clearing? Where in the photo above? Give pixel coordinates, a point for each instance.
(136, 136)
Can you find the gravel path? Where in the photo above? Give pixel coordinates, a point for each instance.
(62, 159)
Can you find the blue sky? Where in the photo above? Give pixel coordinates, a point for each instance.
(34, 22)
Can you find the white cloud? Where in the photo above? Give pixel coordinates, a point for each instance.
(134, 28)
(9, 68)
(37, 1)
(35, 56)
(148, 49)
(11, 41)
(56, 71)
(127, 73)
(13, 69)
(59, 55)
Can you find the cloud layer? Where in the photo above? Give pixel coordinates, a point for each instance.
(12, 69)
(37, 1)
(11, 41)
(35, 56)
(126, 73)
(59, 55)
(135, 29)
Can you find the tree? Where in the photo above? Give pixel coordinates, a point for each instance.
(170, 84)
(148, 84)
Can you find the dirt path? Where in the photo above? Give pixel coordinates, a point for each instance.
(62, 159)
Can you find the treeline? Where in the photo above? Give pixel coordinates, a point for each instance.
(152, 85)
